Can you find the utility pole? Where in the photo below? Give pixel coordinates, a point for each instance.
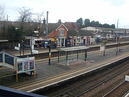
(117, 43)
(49, 56)
(117, 23)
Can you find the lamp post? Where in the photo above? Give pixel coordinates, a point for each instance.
(49, 56)
(22, 43)
(117, 44)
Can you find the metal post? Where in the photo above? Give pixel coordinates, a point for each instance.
(58, 56)
(16, 76)
(49, 55)
(85, 54)
(23, 48)
(77, 54)
(31, 45)
(116, 46)
(104, 52)
(20, 49)
(66, 57)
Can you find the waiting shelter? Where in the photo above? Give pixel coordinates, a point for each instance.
(19, 65)
(76, 50)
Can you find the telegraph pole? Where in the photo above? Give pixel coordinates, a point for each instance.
(117, 23)
(117, 44)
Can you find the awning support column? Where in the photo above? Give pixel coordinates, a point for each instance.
(58, 56)
(66, 57)
(77, 54)
(85, 54)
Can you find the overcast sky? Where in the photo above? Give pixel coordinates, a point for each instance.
(105, 11)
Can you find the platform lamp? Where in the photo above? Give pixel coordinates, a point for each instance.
(23, 46)
(117, 45)
(49, 56)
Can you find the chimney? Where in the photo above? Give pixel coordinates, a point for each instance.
(47, 23)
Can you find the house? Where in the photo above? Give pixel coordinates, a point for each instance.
(60, 34)
(69, 34)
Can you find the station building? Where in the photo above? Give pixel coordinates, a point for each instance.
(68, 34)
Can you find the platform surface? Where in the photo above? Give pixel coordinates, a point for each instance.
(56, 72)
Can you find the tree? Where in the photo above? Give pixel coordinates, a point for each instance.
(113, 26)
(80, 22)
(25, 14)
(38, 21)
(106, 25)
(95, 24)
(15, 34)
(92, 23)
(25, 19)
(2, 13)
(87, 22)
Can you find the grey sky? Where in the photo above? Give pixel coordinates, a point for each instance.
(105, 11)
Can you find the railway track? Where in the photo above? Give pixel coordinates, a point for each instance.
(80, 87)
(62, 53)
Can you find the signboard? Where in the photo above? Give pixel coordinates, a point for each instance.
(16, 48)
(35, 51)
(19, 45)
(126, 78)
(9, 59)
(102, 48)
(1, 57)
(25, 64)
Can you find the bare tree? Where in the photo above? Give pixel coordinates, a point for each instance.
(40, 17)
(2, 13)
(25, 20)
(25, 14)
(38, 20)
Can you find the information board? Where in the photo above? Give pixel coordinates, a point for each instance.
(1, 57)
(25, 64)
(102, 48)
(9, 59)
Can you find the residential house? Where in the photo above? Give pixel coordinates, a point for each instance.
(69, 34)
(60, 35)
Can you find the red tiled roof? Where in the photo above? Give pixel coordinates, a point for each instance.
(53, 34)
(71, 25)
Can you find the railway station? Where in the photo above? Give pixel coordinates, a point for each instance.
(67, 65)
(75, 48)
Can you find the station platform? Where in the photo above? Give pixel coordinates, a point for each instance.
(48, 75)
(45, 50)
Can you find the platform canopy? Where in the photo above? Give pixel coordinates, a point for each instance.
(67, 49)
